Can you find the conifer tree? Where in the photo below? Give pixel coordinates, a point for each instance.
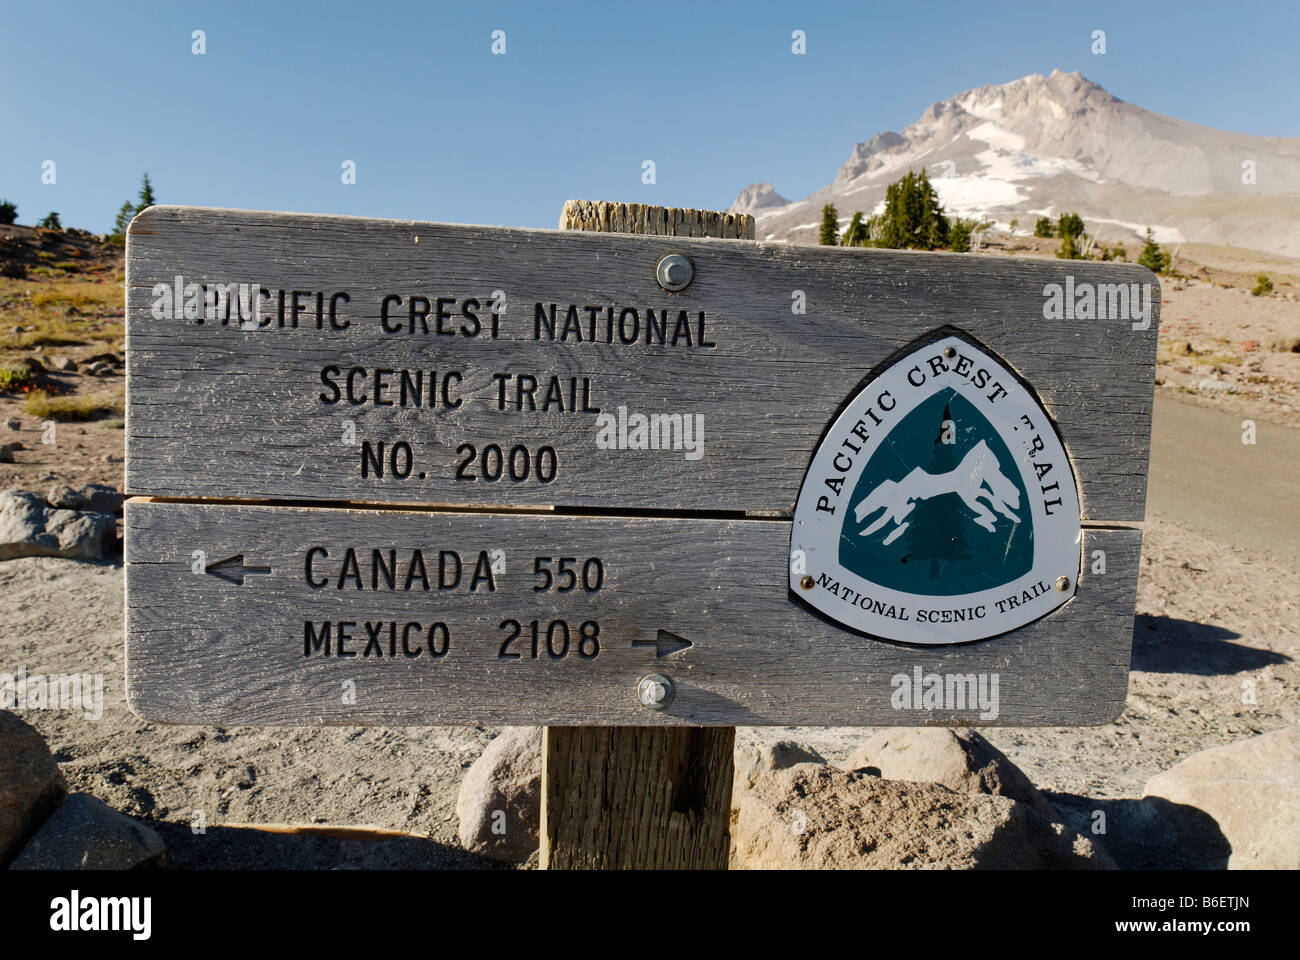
(830, 235)
(128, 210)
(1152, 256)
(913, 216)
(934, 225)
(856, 234)
(1068, 250)
(1070, 224)
(146, 195)
(123, 220)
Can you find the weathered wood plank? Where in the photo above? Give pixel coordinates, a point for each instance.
(216, 652)
(218, 411)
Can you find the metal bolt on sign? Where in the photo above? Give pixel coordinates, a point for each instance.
(674, 272)
(655, 691)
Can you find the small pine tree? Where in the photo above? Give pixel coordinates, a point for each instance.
(1067, 250)
(8, 212)
(934, 225)
(856, 234)
(913, 217)
(128, 211)
(146, 195)
(51, 221)
(894, 232)
(122, 221)
(1015, 224)
(830, 235)
(1152, 257)
(1070, 224)
(1120, 253)
(959, 235)
(1043, 227)
(1263, 285)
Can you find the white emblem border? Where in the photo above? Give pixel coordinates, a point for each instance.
(814, 540)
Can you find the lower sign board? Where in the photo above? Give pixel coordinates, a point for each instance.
(294, 615)
(396, 472)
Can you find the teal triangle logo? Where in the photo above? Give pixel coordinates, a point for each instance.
(940, 505)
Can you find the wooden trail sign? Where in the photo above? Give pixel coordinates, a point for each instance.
(623, 479)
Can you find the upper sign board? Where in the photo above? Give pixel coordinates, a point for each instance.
(278, 356)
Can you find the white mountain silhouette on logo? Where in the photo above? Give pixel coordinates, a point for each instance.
(976, 478)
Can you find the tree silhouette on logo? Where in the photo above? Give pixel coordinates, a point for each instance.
(936, 533)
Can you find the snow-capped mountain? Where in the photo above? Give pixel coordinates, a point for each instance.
(1046, 145)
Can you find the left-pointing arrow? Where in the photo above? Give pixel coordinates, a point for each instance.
(233, 569)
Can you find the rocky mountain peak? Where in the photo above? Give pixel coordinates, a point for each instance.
(757, 196)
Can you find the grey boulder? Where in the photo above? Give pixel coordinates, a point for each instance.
(97, 497)
(30, 527)
(753, 762)
(31, 785)
(960, 759)
(500, 799)
(814, 816)
(86, 834)
(1246, 793)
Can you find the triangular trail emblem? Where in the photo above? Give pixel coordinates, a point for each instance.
(940, 507)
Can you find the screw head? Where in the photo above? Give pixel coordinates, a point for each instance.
(655, 691)
(806, 581)
(674, 272)
(950, 352)
(1063, 584)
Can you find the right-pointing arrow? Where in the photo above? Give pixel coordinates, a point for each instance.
(665, 644)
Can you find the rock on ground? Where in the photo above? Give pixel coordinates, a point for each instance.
(754, 761)
(1245, 793)
(31, 785)
(98, 497)
(814, 816)
(960, 759)
(500, 800)
(85, 834)
(30, 527)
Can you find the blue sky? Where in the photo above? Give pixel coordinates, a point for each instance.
(441, 129)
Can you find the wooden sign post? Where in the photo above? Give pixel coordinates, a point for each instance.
(670, 806)
(387, 472)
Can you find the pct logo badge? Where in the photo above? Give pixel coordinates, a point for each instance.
(940, 507)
